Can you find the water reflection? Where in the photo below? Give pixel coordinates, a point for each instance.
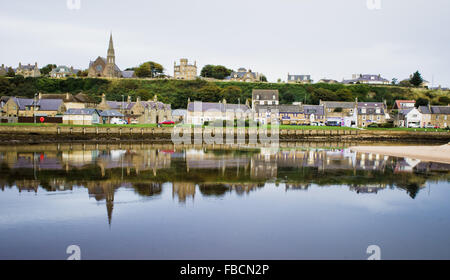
(212, 171)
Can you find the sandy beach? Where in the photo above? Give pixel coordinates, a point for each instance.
(424, 153)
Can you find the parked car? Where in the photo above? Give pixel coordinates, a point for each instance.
(333, 123)
(167, 122)
(118, 121)
(430, 126)
(414, 125)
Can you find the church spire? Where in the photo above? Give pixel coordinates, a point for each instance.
(111, 53)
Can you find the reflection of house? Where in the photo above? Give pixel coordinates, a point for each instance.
(406, 165)
(183, 191)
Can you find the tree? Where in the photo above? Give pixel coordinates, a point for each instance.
(394, 81)
(215, 71)
(10, 72)
(421, 102)
(263, 78)
(444, 100)
(232, 94)
(47, 69)
(149, 69)
(416, 79)
(82, 73)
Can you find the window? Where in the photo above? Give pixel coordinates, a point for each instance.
(363, 110)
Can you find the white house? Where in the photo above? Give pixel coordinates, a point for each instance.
(410, 118)
(81, 117)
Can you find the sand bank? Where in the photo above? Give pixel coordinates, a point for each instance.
(424, 153)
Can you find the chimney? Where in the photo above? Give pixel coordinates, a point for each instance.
(103, 98)
(224, 101)
(67, 96)
(40, 95)
(129, 99)
(155, 98)
(35, 64)
(138, 99)
(189, 100)
(247, 103)
(20, 65)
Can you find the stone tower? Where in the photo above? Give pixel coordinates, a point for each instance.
(110, 68)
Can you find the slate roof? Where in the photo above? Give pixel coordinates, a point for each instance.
(440, 110)
(206, 106)
(240, 74)
(104, 59)
(313, 109)
(22, 103)
(424, 110)
(111, 113)
(179, 112)
(81, 112)
(299, 77)
(371, 108)
(265, 94)
(279, 108)
(337, 104)
(366, 78)
(399, 102)
(48, 104)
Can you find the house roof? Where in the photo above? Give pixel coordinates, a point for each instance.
(313, 109)
(338, 104)
(299, 77)
(81, 112)
(207, 106)
(265, 94)
(48, 104)
(366, 78)
(111, 113)
(424, 110)
(22, 103)
(399, 102)
(179, 112)
(440, 110)
(279, 108)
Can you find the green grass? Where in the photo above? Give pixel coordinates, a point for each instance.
(71, 125)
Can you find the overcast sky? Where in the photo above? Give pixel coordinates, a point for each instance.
(324, 38)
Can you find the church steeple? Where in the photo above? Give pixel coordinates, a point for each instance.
(111, 59)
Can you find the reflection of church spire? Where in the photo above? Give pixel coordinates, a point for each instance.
(109, 192)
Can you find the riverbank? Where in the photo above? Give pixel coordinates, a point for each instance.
(110, 134)
(423, 153)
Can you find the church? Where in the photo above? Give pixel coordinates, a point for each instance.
(105, 68)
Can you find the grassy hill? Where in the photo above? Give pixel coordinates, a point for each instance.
(177, 92)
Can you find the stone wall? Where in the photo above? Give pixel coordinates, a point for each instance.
(52, 133)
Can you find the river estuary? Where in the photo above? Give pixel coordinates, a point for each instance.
(141, 201)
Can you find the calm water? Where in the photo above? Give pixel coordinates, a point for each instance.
(165, 202)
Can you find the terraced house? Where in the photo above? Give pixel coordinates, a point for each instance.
(141, 112)
(437, 116)
(27, 107)
(200, 112)
(372, 113)
(344, 113)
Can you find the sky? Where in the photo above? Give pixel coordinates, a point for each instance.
(323, 38)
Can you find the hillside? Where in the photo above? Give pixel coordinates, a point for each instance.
(177, 92)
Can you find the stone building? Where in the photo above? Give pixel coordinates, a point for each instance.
(437, 116)
(79, 101)
(302, 79)
(3, 70)
(28, 107)
(265, 97)
(63, 72)
(28, 70)
(372, 113)
(142, 112)
(105, 67)
(200, 112)
(344, 113)
(242, 75)
(185, 71)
